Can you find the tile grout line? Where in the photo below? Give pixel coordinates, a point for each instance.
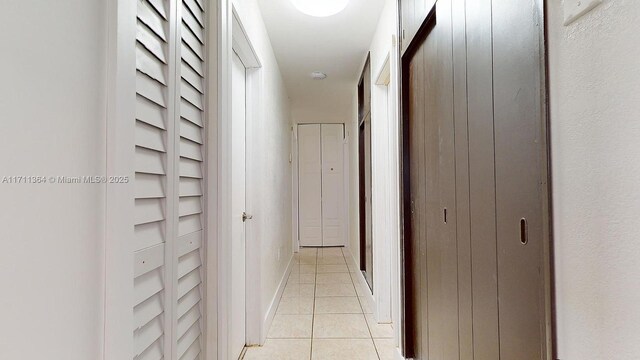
(313, 308)
(362, 308)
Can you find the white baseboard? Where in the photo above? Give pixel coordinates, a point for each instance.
(364, 281)
(275, 301)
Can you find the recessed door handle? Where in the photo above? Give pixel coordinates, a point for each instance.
(524, 231)
(246, 217)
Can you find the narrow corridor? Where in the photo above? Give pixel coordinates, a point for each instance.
(325, 313)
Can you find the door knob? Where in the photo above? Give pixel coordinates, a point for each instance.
(246, 217)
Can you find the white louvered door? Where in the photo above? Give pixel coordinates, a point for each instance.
(153, 227)
(169, 166)
(190, 152)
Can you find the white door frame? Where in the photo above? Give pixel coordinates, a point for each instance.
(387, 292)
(394, 194)
(232, 37)
(295, 231)
(388, 77)
(380, 184)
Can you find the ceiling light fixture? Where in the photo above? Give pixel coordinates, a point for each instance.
(320, 8)
(318, 75)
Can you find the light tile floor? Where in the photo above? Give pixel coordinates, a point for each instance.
(324, 314)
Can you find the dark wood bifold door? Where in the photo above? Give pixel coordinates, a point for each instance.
(431, 211)
(475, 216)
(364, 172)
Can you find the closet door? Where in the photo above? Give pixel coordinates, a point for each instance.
(310, 185)
(153, 180)
(169, 182)
(189, 158)
(332, 137)
(520, 179)
(482, 181)
(441, 250)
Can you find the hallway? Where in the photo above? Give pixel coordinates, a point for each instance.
(320, 179)
(325, 313)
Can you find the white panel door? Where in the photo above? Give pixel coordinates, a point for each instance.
(332, 136)
(237, 332)
(310, 185)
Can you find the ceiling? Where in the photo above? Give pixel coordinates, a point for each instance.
(336, 45)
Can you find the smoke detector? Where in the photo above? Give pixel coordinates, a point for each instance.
(318, 75)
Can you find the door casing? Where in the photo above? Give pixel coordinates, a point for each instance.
(232, 37)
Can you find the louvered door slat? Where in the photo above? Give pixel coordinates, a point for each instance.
(147, 285)
(149, 186)
(191, 299)
(150, 113)
(150, 137)
(151, 42)
(190, 205)
(200, 4)
(188, 282)
(147, 311)
(149, 65)
(159, 7)
(192, 77)
(151, 89)
(149, 210)
(189, 224)
(188, 263)
(148, 16)
(193, 26)
(148, 234)
(190, 187)
(195, 10)
(147, 335)
(153, 352)
(193, 353)
(149, 161)
(190, 150)
(191, 131)
(148, 259)
(192, 335)
(192, 60)
(187, 320)
(192, 42)
(192, 95)
(189, 243)
(190, 168)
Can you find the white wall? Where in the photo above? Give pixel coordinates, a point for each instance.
(271, 171)
(595, 124)
(52, 123)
